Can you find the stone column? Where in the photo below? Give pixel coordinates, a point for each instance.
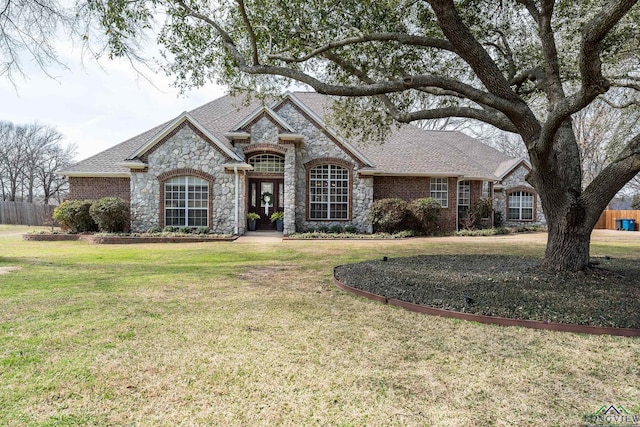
(290, 189)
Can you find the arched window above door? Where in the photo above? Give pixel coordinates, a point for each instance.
(267, 163)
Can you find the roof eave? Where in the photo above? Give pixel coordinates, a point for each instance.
(237, 135)
(379, 172)
(133, 165)
(72, 174)
(238, 166)
(290, 136)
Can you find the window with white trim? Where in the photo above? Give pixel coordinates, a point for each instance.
(328, 192)
(439, 190)
(521, 205)
(485, 190)
(464, 193)
(267, 163)
(186, 202)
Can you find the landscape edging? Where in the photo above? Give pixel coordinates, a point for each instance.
(489, 320)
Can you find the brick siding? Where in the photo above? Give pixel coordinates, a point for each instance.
(81, 188)
(410, 188)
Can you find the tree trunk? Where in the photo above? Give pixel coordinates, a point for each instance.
(557, 176)
(567, 248)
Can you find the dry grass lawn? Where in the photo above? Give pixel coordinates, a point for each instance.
(238, 334)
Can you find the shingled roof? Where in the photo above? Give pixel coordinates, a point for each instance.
(408, 151)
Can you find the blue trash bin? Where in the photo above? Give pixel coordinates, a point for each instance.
(625, 224)
(632, 225)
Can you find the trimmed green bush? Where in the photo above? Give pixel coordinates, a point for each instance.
(351, 229)
(425, 213)
(74, 215)
(389, 215)
(154, 229)
(111, 214)
(483, 207)
(336, 229)
(202, 230)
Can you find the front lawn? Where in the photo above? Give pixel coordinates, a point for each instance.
(257, 334)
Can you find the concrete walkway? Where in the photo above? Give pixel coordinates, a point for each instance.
(260, 237)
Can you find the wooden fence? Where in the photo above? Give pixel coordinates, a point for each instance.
(608, 218)
(23, 213)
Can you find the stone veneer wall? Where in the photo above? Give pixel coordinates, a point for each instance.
(516, 179)
(81, 188)
(187, 150)
(317, 145)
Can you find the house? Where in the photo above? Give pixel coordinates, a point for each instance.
(211, 166)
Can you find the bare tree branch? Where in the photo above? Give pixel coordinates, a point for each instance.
(615, 175)
(593, 82)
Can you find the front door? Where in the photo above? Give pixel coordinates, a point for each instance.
(266, 195)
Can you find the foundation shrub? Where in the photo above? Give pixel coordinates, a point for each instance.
(389, 215)
(424, 214)
(111, 214)
(74, 215)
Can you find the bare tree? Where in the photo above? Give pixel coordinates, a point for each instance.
(27, 32)
(30, 156)
(12, 141)
(54, 159)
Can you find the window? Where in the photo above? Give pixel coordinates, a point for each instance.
(485, 190)
(440, 191)
(267, 163)
(464, 193)
(186, 202)
(521, 204)
(328, 192)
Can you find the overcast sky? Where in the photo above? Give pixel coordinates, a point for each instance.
(93, 106)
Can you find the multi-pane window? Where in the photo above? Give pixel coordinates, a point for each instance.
(485, 190)
(464, 193)
(267, 163)
(440, 191)
(328, 192)
(521, 204)
(186, 202)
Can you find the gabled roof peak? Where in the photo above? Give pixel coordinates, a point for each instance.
(257, 113)
(184, 117)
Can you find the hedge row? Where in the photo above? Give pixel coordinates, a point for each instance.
(109, 215)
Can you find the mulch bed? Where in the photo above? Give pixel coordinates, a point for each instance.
(120, 240)
(506, 286)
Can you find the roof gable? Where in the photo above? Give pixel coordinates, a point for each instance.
(183, 118)
(508, 166)
(259, 113)
(317, 121)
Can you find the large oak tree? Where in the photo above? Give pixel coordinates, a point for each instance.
(523, 66)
